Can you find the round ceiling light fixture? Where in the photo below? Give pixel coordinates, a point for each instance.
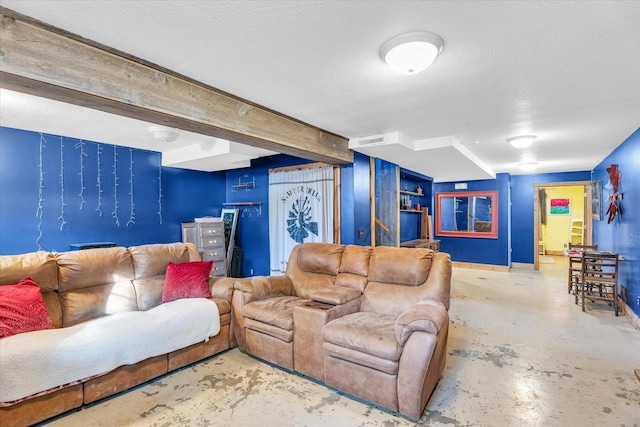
(411, 53)
(522, 141)
(164, 134)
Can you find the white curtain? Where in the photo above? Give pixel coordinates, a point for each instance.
(300, 211)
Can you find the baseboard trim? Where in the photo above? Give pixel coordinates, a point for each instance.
(476, 266)
(555, 253)
(630, 315)
(521, 266)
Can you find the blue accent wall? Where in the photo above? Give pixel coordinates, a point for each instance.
(522, 227)
(623, 234)
(361, 205)
(474, 250)
(68, 200)
(253, 226)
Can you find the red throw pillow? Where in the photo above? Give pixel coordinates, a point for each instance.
(187, 280)
(22, 308)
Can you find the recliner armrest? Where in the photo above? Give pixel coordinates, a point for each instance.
(427, 316)
(336, 295)
(221, 287)
(262, 287)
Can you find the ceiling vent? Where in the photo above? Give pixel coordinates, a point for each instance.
(369, 141)
(375, 140)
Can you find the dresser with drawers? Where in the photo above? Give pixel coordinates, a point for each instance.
(208, 235)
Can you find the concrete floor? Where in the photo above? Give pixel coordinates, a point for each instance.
(520, 354)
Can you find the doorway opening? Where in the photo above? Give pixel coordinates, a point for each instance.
(562, 214)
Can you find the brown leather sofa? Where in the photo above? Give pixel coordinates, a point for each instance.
(372, 322)
(78, 286)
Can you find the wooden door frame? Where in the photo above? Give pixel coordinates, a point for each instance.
(587, 215)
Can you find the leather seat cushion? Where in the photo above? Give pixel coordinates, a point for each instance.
(274, 311)
(365, 332)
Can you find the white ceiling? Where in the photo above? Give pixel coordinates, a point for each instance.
(568, 72)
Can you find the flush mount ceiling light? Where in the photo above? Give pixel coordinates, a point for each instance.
(164, 134)
(522, 141)
(528, 166)
(411, 53)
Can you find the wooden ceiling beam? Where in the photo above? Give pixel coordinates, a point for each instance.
(45, 61)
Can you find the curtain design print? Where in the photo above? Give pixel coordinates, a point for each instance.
(300, 211)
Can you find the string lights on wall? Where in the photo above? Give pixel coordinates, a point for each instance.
(160, 187)
(132, 206)
(83, 167)
(114, 214)
(61, 218)
(99, 179)
(80, 145)
(40, 209)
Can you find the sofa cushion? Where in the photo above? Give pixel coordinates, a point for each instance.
(365, 332)
(405, 266)
(41, 266)
(90, 303)
(22, 309)
(187, 280)
(152, 260)
(336, 295)
(92, 267)
(149, 291)
(60, 356)
(355, 260)
(320, 258)
(274, 311)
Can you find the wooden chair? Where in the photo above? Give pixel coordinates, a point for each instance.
(598, 278)
(575, 264)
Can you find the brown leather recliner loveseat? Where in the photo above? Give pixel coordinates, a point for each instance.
(369, 321)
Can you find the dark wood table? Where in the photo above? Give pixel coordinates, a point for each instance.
(422, 243)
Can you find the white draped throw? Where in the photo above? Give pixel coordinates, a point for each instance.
(300, 211)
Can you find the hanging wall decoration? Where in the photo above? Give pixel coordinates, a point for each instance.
(99, 178)
(40, 209)
(80, 145)
(560, 207)
(114, 214)
(160, 187)
(61, 218)
(132, 206)
(615, 197)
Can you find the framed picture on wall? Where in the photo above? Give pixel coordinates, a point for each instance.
(560, 207)
(596, 200)
(230, 220)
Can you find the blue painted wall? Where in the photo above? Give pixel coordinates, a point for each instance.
(75, 210)
(253, 227)
(361, 205)
(481, 251)
(522, 227)
(623, 234)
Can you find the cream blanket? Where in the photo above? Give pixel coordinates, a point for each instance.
(36, 361)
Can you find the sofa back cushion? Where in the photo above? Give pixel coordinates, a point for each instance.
(152, 260)
(94, 283)
(401, 277)
(354, 267)
(313, 266)
(150, 266)
(42, 267)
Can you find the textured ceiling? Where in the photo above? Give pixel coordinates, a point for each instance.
(568, 72)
